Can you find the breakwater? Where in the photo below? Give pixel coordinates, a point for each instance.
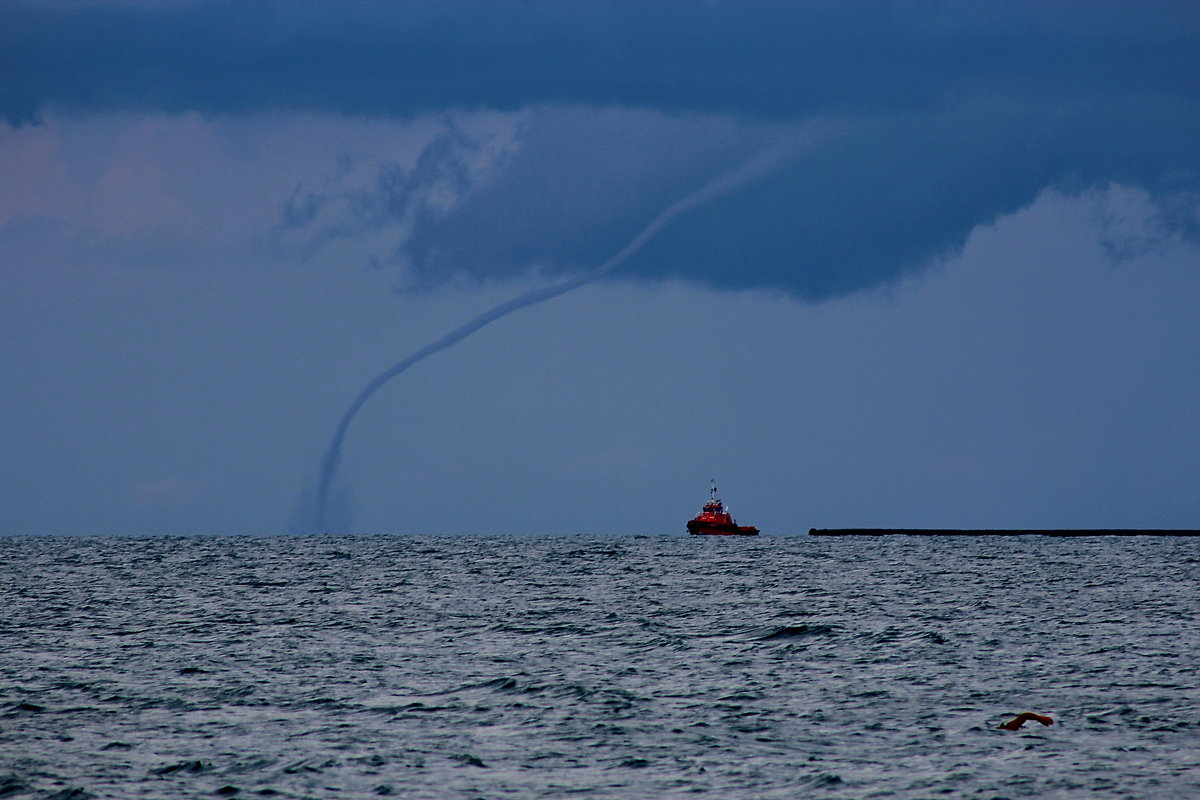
(1002, 532)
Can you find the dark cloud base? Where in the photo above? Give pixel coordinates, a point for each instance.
(855, 210)
(396, 58)
(952, 114)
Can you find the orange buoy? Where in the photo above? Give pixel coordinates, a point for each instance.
(1028, 716)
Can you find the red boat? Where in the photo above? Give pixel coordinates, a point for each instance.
(714, 520)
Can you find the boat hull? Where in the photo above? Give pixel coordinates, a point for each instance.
(701, 528)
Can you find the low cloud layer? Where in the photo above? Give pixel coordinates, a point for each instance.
(770, 60)
(913, 123)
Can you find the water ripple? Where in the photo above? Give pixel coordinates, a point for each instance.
(598, 667)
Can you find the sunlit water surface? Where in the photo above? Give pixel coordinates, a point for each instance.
(598, 667)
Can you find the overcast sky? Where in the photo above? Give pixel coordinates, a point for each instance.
(962, 292)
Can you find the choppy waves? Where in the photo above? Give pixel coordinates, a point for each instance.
(614, 667)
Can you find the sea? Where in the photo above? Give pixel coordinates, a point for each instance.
(599, 667)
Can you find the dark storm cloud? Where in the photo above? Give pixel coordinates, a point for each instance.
(772, 59)
(952, 114)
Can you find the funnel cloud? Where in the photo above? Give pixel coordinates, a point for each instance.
(756, 167)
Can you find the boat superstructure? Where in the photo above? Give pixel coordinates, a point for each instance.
(714, 519)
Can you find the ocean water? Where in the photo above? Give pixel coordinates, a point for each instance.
(598, 667)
